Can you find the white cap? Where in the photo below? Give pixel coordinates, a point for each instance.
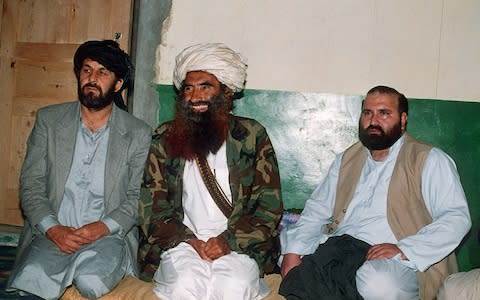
(215, 58)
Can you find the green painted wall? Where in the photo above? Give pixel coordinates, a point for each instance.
(309, 129)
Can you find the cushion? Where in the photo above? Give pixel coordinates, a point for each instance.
(131, 288)
(461, 286)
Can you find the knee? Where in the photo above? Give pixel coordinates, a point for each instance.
(91, 287)
(236, 286)
(236, 280)
(374, 283)
(239, 278)
(237, 270)
(371, 284)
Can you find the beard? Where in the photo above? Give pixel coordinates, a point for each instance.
(380, 141)
(93, 101)
(199, 133)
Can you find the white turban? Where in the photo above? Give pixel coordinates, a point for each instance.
(215, 58)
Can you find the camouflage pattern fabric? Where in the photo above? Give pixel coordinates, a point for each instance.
(255, 185)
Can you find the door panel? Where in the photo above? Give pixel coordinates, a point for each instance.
(37, 43)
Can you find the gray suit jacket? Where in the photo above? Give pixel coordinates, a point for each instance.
(50, 150)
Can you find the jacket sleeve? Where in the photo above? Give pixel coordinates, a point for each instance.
(126, 213)
(34, 174)
(252, 228)
(160, 210)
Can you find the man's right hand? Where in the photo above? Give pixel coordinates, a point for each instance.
(290, 261)
(199, 246)
(66, 239)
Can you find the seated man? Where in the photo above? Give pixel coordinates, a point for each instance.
(384, 222)
(80, 182)
(211, 197)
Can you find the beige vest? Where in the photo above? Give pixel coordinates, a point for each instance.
(406, 210)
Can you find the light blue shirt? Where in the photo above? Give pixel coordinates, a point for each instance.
(366, 217)
(83, 199)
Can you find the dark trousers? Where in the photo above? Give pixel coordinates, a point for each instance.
(329, 273)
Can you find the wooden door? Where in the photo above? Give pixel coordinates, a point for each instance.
(37, 43)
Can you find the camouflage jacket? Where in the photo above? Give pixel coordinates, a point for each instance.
(254, 183)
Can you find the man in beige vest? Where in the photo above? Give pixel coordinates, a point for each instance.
(384, 222)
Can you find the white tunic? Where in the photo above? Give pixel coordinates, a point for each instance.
(202, 215)
(366, 217)
(182, 274)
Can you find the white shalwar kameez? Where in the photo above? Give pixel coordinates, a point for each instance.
(366, 220)
(182, 274)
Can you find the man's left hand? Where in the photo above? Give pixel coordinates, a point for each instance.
(216, 247)
(384, 250)
(93, 231)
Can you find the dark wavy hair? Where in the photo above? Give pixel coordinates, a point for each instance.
(402, 100)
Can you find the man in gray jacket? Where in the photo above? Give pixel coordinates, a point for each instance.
(80, 182)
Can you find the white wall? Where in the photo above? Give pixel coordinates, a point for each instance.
(423, 48)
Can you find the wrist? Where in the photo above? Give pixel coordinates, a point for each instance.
(189, 241)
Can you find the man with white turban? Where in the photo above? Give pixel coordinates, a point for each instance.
(210, 199)
(217, 59)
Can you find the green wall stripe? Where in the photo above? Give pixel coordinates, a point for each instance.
(309, 129)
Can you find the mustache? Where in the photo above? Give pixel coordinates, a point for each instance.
(375, 127)
(201, 102)
(90, 84)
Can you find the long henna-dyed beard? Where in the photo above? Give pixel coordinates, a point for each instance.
(194, 133)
